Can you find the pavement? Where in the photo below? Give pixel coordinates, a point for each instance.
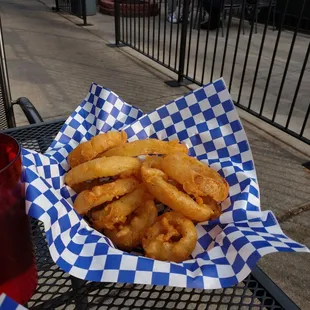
(52, 61)
(205, 54)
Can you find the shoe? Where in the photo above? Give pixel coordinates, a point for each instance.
(172, 19)
(181, 20)
(205, 26)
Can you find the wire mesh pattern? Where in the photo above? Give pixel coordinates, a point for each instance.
(3, 121)
(227, 248)
(244, 41)
(58, 290)
(37, 137)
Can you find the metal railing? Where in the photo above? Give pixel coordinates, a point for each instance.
(73, 7)
(7, 119)
(264, 65)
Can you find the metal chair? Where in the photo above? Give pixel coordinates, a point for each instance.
(229, 5)
(265, 4)
(7, 119)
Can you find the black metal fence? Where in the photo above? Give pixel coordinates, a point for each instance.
(73, 7)
(264, 64)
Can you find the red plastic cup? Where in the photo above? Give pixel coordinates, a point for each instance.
(18, 273)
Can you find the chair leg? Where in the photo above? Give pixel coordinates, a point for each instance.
(222, 24)
(274, 19)
(196, 19)
(242, 21)
(256, 13)
(243, 27)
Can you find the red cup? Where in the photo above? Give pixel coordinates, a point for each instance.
(18, 273)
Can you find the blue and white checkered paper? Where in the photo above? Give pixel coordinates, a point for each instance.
(6, 303)
(207, 122)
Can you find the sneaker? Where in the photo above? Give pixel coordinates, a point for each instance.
(181, 20)
(205, 26)
(172, 19)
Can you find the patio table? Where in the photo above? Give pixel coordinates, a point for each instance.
(58, 290)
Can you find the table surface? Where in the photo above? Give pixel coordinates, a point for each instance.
(58, 290)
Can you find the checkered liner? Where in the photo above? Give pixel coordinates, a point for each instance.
(207, 122)
(6, 303)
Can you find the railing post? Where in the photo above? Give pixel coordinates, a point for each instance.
(84, 16)
(117, 21)
(5, 85)
(56, 5)
(185, 15)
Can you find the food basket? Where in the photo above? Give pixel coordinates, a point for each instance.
(208, 123)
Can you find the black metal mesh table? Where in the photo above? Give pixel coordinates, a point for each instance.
(58, 290)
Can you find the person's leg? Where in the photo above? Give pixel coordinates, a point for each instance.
(172, 5)
(214, 10)
(181, 5)
(250, 12)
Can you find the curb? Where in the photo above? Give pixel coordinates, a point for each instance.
(277, 136)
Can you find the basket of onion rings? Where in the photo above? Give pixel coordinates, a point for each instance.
(165, 198)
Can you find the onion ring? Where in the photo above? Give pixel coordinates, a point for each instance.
(157, 185)
(128, 236)
(173, 237)
(217, 210)
(146, 147)
(116, 212)
(98, 144)
(88, 185)
(101, 167)
(197, 178)
(98, 195)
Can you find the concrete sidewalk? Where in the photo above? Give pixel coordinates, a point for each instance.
(52, 61)
(205, 54)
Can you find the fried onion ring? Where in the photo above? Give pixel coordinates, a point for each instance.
(197, 178)
(146, 147)
(157, 184)
(173, 237)
(116, 212)
(98, 195)
(129, 235)
(88, 185)
(101, 167)
(98, 144)
(217, 210)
